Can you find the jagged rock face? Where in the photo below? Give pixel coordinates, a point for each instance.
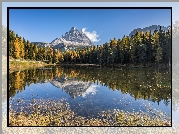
(150, 28)
(71, 40)
(77, 37)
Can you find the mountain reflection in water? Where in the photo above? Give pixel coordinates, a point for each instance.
(73, 87)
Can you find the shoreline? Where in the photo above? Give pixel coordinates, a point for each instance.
(15, 65)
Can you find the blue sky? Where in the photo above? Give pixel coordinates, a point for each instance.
(101, 25)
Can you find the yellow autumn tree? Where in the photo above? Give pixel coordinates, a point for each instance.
(60, 56)
(114, 42)
(17, 48)
(73, 55)
(21, 44)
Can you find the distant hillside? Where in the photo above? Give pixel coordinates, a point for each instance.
(152, 28)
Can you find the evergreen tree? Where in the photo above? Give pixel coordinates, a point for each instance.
(12, 39)
(157, 47)
(49, 55)
(149, 49)
(55, 56)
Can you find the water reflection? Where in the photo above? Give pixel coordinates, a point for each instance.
(147, 84)
(72, 86)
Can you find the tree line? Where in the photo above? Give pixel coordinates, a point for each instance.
(19, 48)
(141, 48)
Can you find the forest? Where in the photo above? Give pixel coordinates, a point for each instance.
(141, 48)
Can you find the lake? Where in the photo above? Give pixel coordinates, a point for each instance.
(90, 90)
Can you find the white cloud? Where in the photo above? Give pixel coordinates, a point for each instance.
(91, 35)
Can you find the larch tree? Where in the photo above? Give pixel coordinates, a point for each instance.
(21, 43)
(17, 48)
(60, 56)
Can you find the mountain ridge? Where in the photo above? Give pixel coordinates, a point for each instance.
(151, 28)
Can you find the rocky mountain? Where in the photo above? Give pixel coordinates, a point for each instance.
(152, 28)
(71, 40)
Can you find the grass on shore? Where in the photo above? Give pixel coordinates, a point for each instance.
(21, 65)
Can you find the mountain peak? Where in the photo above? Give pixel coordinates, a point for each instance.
(73, 28)
(71, 40)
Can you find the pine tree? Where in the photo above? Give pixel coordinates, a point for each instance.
(149, 49)
(157, 47)
(49, 54)
(27, 49)
(55, 56)
(158, 54)
(11, 43)
(36, 50)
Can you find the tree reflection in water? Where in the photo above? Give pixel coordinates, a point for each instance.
(147, 84)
